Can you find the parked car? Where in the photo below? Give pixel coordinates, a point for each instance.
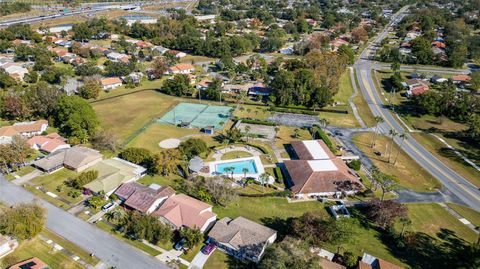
(108, 207)
(179, 245)
(207, 249)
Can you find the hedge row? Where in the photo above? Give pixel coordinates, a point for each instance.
(259, 122)
(293, 111)
(278, 174)
(326, 139)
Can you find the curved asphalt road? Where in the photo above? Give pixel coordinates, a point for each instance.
(452, 181)
(106, 247)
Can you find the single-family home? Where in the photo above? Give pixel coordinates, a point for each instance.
(206, 18)
(416, 87)
(337, 42)
(76, 158)
(242, 238)
(184, 211)
(32, 263)
(111, 83)
(48, 143)
(181, 69)
(15, 70)
(318, 172)
(7, 245)
(118, 57)
(160, 49)
(177, 53)
(23, 129)
(145, 199)
(438, 79)
(461, 79)
(71, 86)
(203, 84)
(370, 262)
(326, 258)
(112, 173)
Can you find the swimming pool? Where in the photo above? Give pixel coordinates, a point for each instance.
(237, 166)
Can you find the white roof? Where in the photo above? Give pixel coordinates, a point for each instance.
(322, 165)
(317, 152)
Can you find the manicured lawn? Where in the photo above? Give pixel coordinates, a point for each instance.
(410, 174)
(468, 213)
(345, 88)
(448, 157)
(24, 170)
(431, 218)
(84, 255)
(47, 198)
(38, 248)
(135, 243)
(252, 111)
(126, 114)
(153, 135)
(192, 252)
(286, 135)
(56, 180)
(340, 119)
(160, 180)
(235, 154)
(217, 260)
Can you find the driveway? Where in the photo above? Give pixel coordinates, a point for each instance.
(199, 260)
(105, 246)
(24, 179)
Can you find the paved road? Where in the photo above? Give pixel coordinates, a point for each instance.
(105, 246)
(452, 181)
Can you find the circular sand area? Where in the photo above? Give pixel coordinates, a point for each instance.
(170, 143)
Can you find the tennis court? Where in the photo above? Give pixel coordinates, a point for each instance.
(197, 115)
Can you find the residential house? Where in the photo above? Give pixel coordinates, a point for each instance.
(206, 18)
(438, 79)
(370, 262)
(145, 199)
(318, 172)
(48, 143)
(237, 88)
(184, 211)
(32, 263)
(203, 84)
(71, 86)
(118, 57)
(113, 173)
(416, 87)
(23, 129)
(111, 83)
(7, 245)
(176, 53)
(76, 158)
(259, 89)
(337, 42)
(181, 69)
(134, 77)
(15, 70)
(242, 238)
(160, 49)
(461, 80)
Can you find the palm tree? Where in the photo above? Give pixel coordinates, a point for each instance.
(263, 179)
(247, 130)
(403, 136)
(392, 134)
(228, 170)
(405, 222)
(276, 129)
(245, 171)
(295, 132)
(378, 121)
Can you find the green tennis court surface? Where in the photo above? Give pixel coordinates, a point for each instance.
(197, 115)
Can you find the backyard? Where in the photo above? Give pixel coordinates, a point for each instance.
(410, 174)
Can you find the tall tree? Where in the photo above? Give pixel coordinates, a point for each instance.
(76, 118)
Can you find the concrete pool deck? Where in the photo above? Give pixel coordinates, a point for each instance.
(256, 160)
(220, 152)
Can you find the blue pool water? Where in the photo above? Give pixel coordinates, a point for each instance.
(238, 167)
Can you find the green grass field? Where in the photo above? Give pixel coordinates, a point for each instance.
(471, 215)
(235, 154)
(409, 173)
(430, 218)
(56, 180)
(40, 249)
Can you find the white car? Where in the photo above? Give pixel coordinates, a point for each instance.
(108, 207)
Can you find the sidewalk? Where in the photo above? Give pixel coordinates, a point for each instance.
(459, 217)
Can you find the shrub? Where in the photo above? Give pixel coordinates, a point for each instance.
(278, 175)
(355, 165)
(259, 122)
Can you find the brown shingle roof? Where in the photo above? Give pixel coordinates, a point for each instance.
(241, 233)
(326, 264)
(140, 197)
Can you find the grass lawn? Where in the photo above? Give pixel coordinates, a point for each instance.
(126, 114)
(38, 248)
(24, 170)
(340, 119)
(410, 174)
(196, 59)
(235, 154)
(53, 181)
(135, 243)
(156, 133)
(345, 88)
(160, 180)
(84, 255)
(47, 198)
(217, 260)
(286, 135)
(430, 218)
(448, 157)
(192, 252)
(471, 215)
(252, 111)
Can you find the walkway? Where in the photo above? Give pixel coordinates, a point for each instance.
(350, 99)
(220, 152)
(199, 260)
(459, 217)
(24, 179)
(167, 256)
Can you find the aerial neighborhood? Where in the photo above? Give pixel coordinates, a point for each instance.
(240, 134)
